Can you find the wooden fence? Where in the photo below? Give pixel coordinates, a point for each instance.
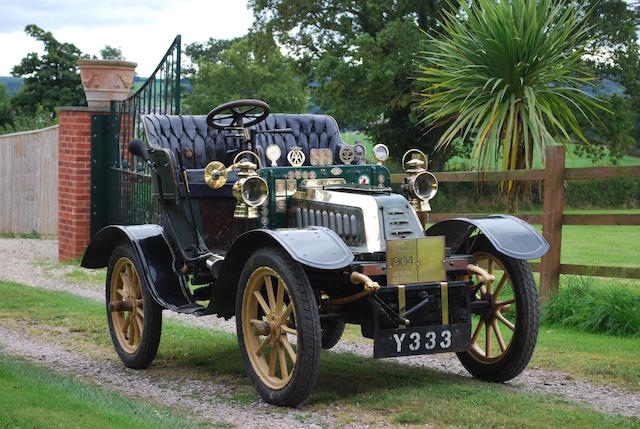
(553, 177)
(29, 182)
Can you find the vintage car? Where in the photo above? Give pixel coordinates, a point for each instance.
(271, 218)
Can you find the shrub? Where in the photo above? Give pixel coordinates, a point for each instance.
(611, 309)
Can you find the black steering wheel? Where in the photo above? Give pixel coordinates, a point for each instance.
(239, 113)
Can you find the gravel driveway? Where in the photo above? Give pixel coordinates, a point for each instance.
(28, 261)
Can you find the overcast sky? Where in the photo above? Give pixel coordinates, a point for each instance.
(143, 29)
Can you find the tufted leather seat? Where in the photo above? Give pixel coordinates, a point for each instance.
(200, 144)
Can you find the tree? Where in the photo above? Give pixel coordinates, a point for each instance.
(5, 107)
(507, 74)
(50, 80)
(250, 67)
(111, 53)
(361, 55)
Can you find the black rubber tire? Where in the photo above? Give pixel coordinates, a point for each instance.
(152, 327)
(519, 353)
(305, 374)
(332, 332)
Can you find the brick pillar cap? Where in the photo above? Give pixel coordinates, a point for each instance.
(82, 109)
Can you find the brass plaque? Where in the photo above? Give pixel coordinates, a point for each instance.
(431, 259)
(417, 260)
(402, 256)
(281, 188)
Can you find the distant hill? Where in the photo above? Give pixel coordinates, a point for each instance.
(14, 84)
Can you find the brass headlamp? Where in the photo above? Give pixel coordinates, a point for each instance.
(421, 185)
(250, 190)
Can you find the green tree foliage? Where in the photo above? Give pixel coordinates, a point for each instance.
(249, 67)
(5, 106)
(361, 55)
(50, 80)
(111, 53)
(507, 75)
(614, 55)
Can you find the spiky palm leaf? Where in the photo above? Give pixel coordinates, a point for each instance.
(506, 74)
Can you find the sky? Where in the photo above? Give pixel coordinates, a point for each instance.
(143, 29)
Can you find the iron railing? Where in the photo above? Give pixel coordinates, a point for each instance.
(130, 186)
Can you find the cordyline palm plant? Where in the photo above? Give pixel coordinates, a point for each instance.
(506, 75)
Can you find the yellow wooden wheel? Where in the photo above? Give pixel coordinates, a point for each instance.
(126, 305)
(505, 315)
(493, 329)
(269, 327)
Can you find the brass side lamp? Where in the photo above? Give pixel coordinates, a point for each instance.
(250, 190)
(421, 185)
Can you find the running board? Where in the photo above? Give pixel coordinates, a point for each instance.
(193, 309)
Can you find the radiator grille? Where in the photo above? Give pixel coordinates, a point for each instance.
(346, 222)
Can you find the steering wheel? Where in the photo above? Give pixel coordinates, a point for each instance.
(239, 113)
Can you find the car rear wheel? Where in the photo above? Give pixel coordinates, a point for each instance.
(135, 320)
(332, 331)
(505, 329)
(278, 327)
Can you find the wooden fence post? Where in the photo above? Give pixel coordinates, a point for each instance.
(553, 206)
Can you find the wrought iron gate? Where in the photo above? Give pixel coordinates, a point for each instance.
(122, 189)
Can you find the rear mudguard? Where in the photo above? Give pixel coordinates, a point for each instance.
(167, 287)
(315, 247)
(509, 235)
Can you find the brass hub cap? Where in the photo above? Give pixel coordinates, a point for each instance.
(269, 328)
(126, 305)
(493, 330)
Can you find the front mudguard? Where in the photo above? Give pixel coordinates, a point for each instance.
(508, 234)
(314, 247)
(154, 253)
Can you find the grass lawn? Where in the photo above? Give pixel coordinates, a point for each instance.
(365, 390)
(35, 397)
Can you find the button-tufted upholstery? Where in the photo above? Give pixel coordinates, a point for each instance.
(192, 136)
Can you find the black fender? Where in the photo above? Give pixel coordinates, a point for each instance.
(154, 253)
(314, 246)
(508, 234)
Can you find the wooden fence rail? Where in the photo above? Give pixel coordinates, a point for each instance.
(552, 219)
(29, 182)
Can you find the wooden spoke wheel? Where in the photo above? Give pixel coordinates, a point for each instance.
(135, 321)
(278, 327)
(505, 316)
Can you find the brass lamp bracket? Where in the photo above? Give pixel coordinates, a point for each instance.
(483, 276)
(369, 287)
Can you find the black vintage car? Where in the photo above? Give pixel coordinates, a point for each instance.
(271, 218)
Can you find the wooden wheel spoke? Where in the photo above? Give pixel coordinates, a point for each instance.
(284, 371)
(262, 346)
(507, 302)
(140, 311)
(269, 285)
(272, 359)
(476, 348)
(476, 333)
(287, 346)
(289, 330)
(280, 295)
(499, 337)
(131, 331)
(501, 283)
(262, 302)
(121, 292)
(490, 266)
(125, 325)
(487, 340)
(505, 321)
(125, 284)
(287, 312)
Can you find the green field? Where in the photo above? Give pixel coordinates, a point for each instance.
(376, 391)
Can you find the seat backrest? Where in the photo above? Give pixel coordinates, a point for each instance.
(200, 144)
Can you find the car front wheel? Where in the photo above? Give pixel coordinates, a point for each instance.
(278, 327)
(505, 323)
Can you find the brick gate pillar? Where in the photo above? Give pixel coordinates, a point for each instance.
(74, 179)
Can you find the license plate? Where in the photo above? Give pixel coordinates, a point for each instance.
(422, 340)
